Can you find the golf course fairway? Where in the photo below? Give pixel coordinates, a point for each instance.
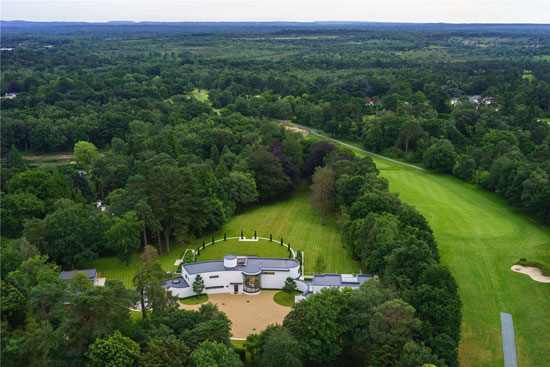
(479, 238)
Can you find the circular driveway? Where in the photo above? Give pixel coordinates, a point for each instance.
(249, 314)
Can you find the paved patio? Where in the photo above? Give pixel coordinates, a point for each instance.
(249, 314)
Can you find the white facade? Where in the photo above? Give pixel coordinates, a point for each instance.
(235, 275)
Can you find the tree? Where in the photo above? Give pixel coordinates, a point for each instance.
(175, 198)
(465, 168)
(290, 286)
(241, 188)
(15, 209)
(268, 173)
(318, 322)
(85, 153)
(15, 159)
(440, 156)
(149, 274)
(213, 354)
(252, 345)
(293, 149)
(410, 132)
(114, 351)
(281, 349)
(80, 282)
(165, 352)
(198, 285)
(322, 191)
(536, 194)
(316, 157)
(95, 314)
(124, 235)
(35, 231)
(393, 324)
(73, 235)
(319, 266)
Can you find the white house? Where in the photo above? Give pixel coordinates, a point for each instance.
(234, 274)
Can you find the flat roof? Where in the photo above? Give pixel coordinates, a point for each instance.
(68, 275)
(177, 282)
(253, 265)
(337, 280)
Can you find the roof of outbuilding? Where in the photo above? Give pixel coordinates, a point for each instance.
(253, 265)
(68, 275)
(337, 280)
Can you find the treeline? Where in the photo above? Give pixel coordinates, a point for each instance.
(502, 147)
(410, 317)
(161, 184)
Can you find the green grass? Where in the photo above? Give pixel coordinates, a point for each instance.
(293, 219)
(194, 300)
(113, 269)
(200, 97)
(285, 299)
(479, 239)
(262, 248)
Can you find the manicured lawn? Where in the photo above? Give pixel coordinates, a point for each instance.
(285, 299)
(262, 248)
(480, 238)
(194, 300)
(293, 219)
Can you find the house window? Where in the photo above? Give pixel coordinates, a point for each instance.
(268, 272)
(214, 276)
(215, 287)
(251, 283)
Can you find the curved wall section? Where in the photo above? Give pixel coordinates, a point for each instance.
(251, 283)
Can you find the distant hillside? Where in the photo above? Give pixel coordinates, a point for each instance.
(19, 26)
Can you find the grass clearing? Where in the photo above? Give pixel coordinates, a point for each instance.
(479, 238)
(200, 95)
(285, 299)
(261, 248)
(194, 300)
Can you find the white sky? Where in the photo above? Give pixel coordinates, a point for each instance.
(419, 11)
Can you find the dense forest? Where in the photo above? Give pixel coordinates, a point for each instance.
(94, 88)
(173, 132)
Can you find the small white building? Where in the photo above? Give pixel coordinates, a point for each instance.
(330, 281)
(234, 274)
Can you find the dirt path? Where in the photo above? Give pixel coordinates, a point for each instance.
(249, 314)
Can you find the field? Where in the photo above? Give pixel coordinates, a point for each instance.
(480, 238)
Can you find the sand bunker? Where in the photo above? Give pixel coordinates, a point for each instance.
(534, 273)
